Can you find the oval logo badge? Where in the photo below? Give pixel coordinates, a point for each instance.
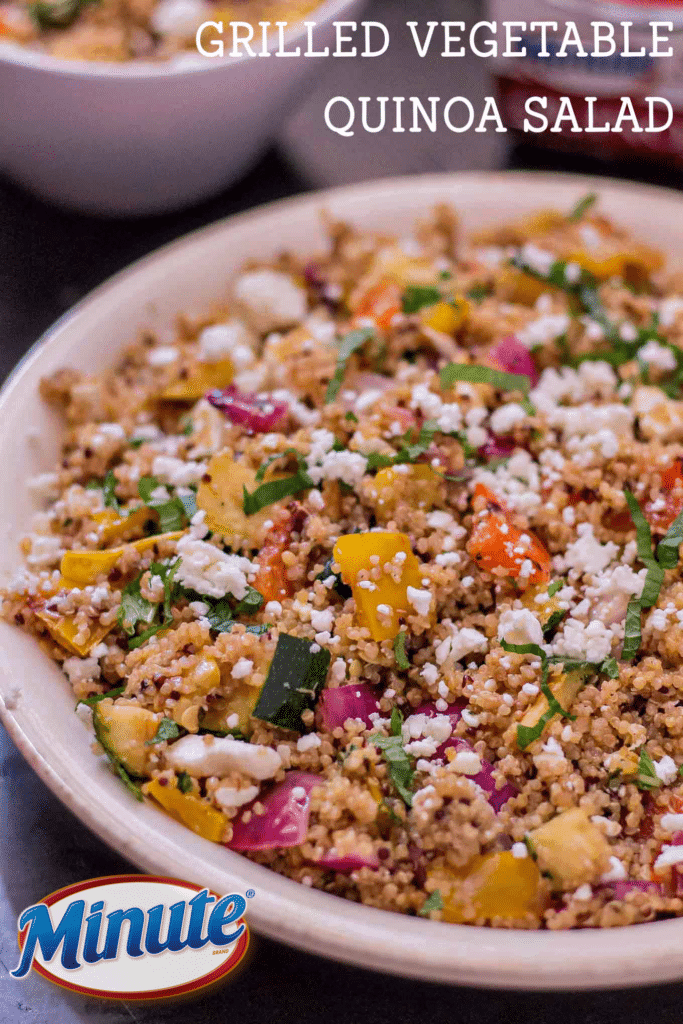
(133, 937)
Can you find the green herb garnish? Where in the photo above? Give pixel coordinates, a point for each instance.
(478, 292)
(582, 207)
(416, 298)
(275, 490)
(351, 417)
(350, 343)
(109, 492)
(453, 373)
(400, 765)
(433, 902)
(60, 14)
(412, 448)
(297, 672)
(136, 609)
(402, 660)
(168, 730)
(647, 778)
(95, 698)
(554, 587)
(184, 783)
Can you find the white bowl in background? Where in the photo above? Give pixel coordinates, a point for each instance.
(139, 138)
(36, 704)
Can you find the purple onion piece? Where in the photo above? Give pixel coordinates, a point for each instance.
(513, 357)
(258, 413)
(352, 701)
(285, 818)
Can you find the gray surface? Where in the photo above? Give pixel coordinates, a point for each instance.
(48, 259)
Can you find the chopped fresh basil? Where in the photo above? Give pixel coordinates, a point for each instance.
(478, 292)
(220, 616)
(137, 442)
(553, 622)
(109, 491)
(526, 734)
(174, 513)
(131, 785)
(402, 660)
(433, 902)
(95, 698)
(400, 765)
(554, 587)
(136, 609)
(666, 557)
(268, 493)
(582, 207)
(184, 783)
(351, 417)
(412, 448)
(167, 730)
(338, 586)
(59, 14)
(647, 777)
(416, 298)
(250, 603)
(455, 372)
(188, 429)
(350, 343)
(297, 672)
(396, 722)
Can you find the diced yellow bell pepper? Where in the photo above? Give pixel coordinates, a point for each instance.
(624, 761)
(571, 848)
(447, 317)
(63, 630)
(424, 488)
(354, 553)
(564, 688)
(82, 568)
(189, 810)
(114, 526)
(495, 885)
(221, 496)
(636, 263)
(514, 285)
(241, 702)
(204, 377)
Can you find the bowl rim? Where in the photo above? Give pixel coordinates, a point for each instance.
(12, 53)
(319, 922)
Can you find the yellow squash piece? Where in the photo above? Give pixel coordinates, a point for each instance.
(199, 681)
(634, 264)
(113, 526)
(515, 286)
(241, 702)
(447, 317)
(419, 482)
(544, 609)
(571, 848)
(495, 885)
(64, 631)
(82, 568)
(189, 810)
(204, 377)
(564, 688)
(222, 498)
(124, 730)
(354, 553)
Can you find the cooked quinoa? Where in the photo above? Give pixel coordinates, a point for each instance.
(123, 30)
(346, 575)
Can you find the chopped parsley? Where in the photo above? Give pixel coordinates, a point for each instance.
(412, 448)
(433, 902)
(350, 343)
(582, 207)
(478, 292)
(554, 587)
(174, 513)
(351, 417)
(666, 557)
(416, 298)
(456, 372)
(184, 783)
(168, 730)
(297, 673)
(400, 765)
(402, 659)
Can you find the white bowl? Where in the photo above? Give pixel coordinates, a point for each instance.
(136, 138)
(188, 275)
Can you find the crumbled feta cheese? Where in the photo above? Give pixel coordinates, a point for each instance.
(657, 355)
(177, 472)
(210, 571)
(506, 417)
(421, 600)
(81, 670)
(520, 626)
(199, 758)
(308, 742)
(466, 762)
(179, 17)
(616, 872)
(272, 299)
(519, 851)
(587, 554)
(228, 339)
(242, 668)
(666, 770)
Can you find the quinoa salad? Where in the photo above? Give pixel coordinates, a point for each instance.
(123, 30)
(371, 574)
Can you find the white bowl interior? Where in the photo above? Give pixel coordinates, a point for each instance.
(35, 700)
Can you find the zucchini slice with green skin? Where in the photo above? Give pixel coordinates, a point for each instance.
(123, 730)
(296, 675)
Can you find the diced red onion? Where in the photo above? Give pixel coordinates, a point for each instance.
(513, 357)
(622, 889)
(352, 862)
(285, 818)
(497, 447)
(258, 413)
(313, 276)
(353, 701)
(496, 797)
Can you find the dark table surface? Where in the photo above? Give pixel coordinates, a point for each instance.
(49, 258)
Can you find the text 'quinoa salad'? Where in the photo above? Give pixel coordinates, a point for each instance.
(372, 574)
